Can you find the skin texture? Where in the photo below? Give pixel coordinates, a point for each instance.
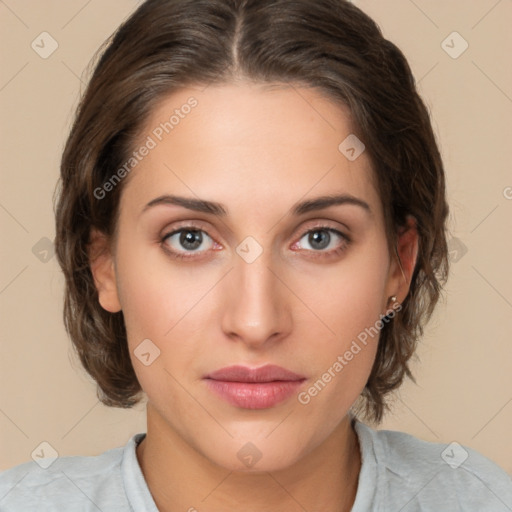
(258, 151)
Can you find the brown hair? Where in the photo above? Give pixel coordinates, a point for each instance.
(330, 45)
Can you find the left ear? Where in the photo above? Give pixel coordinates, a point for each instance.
(404, 260)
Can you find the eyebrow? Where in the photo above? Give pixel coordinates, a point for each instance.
(217, 209)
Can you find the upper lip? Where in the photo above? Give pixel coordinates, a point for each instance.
(267, 373)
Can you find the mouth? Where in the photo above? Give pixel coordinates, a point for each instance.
(254, 388)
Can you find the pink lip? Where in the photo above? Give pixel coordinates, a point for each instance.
(254, 388)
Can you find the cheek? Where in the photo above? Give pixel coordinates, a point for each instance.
(348, 297)
(350, 304)
(165, 304)
(341, 365)
(155, 294)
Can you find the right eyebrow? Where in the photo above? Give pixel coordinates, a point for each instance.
(198, 205)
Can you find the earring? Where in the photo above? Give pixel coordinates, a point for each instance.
(393, 299)
(392, 310)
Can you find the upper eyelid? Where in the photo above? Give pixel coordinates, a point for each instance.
(197, 226)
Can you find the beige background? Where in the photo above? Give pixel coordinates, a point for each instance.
(464, 390)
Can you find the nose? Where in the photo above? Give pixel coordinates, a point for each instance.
(257, 307)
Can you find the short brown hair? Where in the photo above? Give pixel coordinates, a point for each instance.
(330, 45)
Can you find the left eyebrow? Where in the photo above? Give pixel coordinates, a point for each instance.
(322, 202)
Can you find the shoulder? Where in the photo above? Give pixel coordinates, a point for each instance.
(85, 482)
(418, 474)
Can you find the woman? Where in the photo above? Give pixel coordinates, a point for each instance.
(251, 224)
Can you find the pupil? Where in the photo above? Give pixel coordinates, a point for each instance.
(191, 239)
(317, 237)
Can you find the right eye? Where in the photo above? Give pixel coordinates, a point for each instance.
(185, 242)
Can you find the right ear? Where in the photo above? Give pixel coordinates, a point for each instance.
(103, 271)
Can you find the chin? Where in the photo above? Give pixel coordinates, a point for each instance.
(256, 453)
(255, 461)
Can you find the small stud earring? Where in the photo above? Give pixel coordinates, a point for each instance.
(393, 299)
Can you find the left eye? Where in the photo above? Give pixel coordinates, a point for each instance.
(320, 239)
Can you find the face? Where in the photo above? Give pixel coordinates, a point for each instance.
(255, 279)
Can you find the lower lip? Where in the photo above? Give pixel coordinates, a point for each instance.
(254, 395)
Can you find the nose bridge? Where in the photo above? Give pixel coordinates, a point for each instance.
(256, 310)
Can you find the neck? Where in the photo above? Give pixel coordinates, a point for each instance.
(180, 478)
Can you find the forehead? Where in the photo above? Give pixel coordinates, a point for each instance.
(240, 143)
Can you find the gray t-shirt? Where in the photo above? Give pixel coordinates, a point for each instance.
(399, 473)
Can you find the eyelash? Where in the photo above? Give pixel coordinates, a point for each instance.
(319, 254)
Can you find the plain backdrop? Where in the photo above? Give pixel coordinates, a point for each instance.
(464, 373)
